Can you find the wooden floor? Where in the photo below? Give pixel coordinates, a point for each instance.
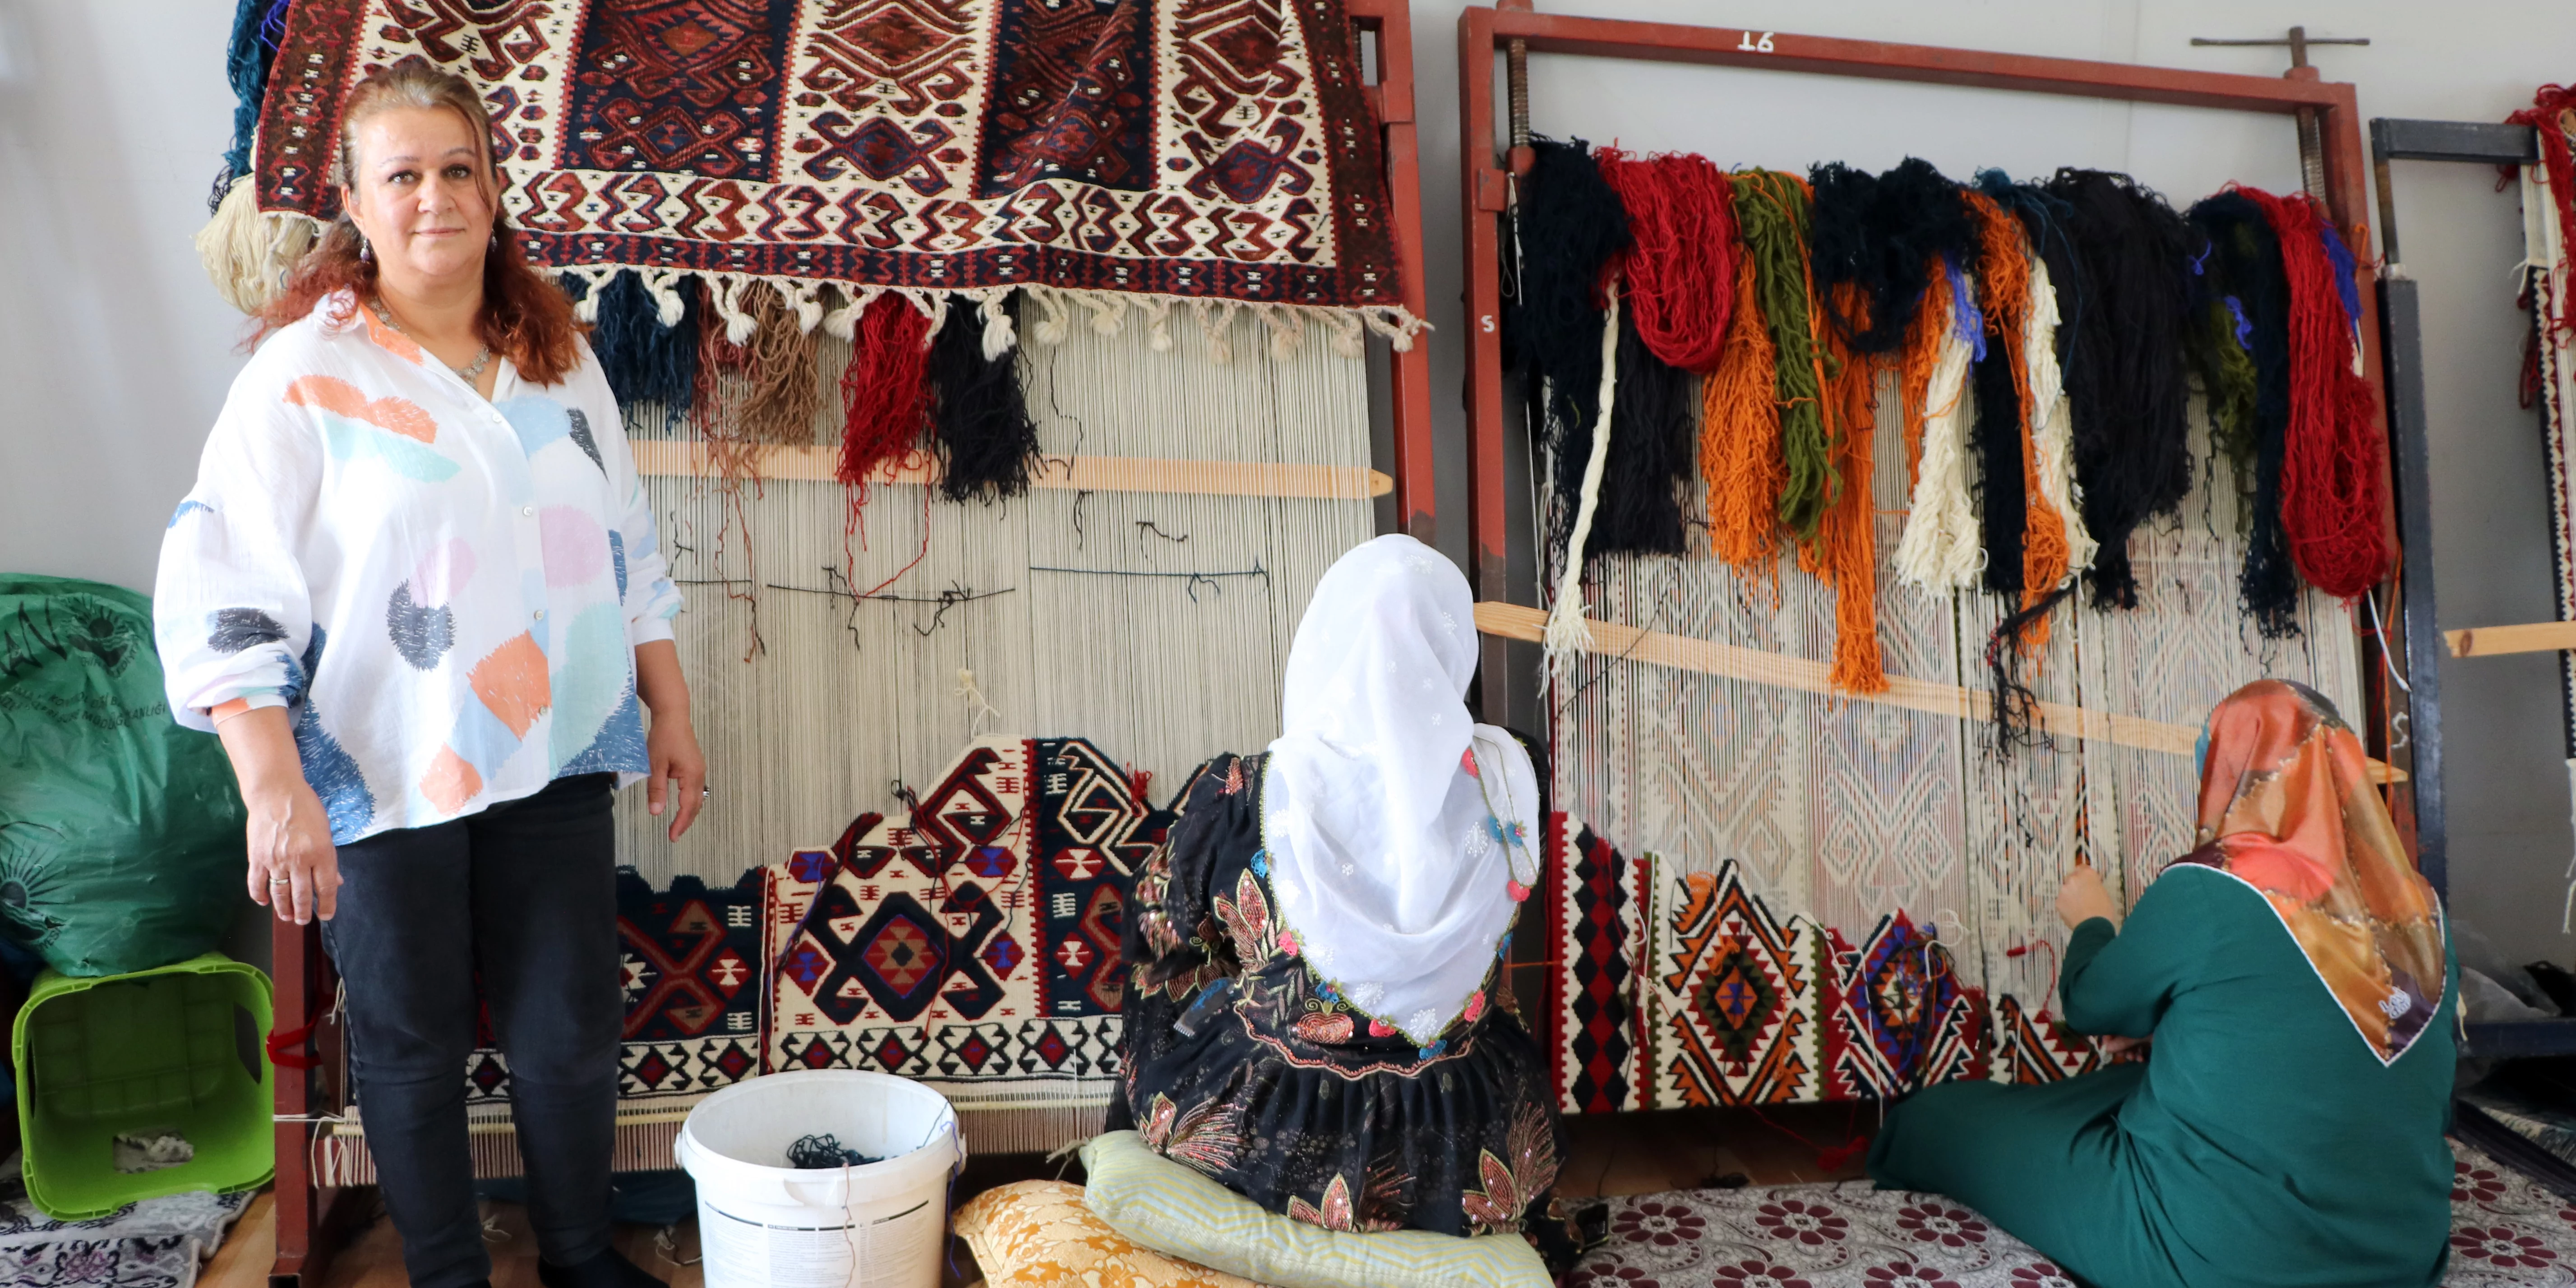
(1606, 1155)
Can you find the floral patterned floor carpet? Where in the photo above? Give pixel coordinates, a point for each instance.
(2505, 1229)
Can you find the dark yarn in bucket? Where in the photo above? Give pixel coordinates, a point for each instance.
(645, 361)
(2124, 369)
(1886, 234)
(987, 442)
(1653, 431)
(1568, 227)
(822, 1150)
(2241, 346)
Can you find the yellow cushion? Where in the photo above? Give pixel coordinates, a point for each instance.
(1031, 1233)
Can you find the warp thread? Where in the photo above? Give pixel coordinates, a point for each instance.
(883, 396)
(2332, 501)
(2124, 365)
(1571, 230)
(1771, 210)
(1680, 268)
(2241, 347)
(987, 442)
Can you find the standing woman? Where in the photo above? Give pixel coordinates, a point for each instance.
(417, 592)
(2286, 1127)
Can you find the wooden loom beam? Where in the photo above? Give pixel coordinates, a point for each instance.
(673, 457)
(1779, 670)
(1483, 31)
(2530, 637)
(1408, 370)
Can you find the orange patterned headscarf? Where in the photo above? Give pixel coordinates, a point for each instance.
(2287, 807)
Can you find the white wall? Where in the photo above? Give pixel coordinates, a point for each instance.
(115, 353)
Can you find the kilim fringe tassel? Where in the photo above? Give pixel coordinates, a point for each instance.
(786, 388)
(246, 252)
(646, 359)
(988, 445)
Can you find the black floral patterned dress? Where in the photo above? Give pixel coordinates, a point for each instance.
(1242, 1063)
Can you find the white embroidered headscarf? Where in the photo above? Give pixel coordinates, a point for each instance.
(1396, 868)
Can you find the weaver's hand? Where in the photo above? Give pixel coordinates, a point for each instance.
(2081, 898)
(293, 867)
(679, 768)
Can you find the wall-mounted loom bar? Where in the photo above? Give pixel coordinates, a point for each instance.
(1707, 657)
(1483, 31)
(2530, 637)
(1083, 473)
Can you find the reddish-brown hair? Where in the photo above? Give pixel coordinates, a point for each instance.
(525, 318)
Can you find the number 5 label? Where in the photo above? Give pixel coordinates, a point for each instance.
(1752, 45)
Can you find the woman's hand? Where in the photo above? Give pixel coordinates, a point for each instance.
(678, 768)
(2081, 898)
(671, 746)
(293, 865)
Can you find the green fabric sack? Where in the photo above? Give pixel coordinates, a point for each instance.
(120, 832)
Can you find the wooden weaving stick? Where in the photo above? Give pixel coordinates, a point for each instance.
(1086, 473)
(1512, 621)
(2532, 637)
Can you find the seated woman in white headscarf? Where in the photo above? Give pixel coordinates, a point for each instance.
(1321, 1018)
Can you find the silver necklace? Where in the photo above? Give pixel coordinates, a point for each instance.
(470, 372)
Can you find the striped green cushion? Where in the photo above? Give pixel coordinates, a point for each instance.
(1163, 1205)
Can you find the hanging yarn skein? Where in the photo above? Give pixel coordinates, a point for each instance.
(1771, 209)
(1739, 435)
(2242, 349)
(1649, 463)
(1939, 550)
(987, 442)
(2124, 366)
(1571, 229)
(2332, 500)
(1885, 235)
(646, 362)
(1846, 547)
(883, 399)
(1568, 635)
(1680, 267)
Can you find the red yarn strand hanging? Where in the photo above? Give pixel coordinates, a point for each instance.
(1680, 269)
(2333, 496)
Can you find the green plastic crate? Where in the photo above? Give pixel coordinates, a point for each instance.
(178, 1049)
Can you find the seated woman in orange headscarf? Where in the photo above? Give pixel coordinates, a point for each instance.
(2293, 975)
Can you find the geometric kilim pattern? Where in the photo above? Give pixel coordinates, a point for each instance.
(971, 941)
(1676, 989)
(1207, 150)
(1900, 1019)
(690, 969)
(1600, 937)
(1738, 996)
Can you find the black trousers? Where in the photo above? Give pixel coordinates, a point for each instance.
(523, 894)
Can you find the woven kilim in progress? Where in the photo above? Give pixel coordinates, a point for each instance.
(1840, 816)
(970, 942)
(1204, 151)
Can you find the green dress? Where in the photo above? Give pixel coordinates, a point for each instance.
(2261, 1143)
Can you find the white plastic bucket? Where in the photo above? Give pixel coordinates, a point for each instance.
(763, 1224)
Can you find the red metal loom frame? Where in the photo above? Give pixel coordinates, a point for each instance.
(311, 1219)
(1484, 30)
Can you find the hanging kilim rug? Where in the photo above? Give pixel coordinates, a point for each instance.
(971, 941)
(2505, 1229)
(1203, 151)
